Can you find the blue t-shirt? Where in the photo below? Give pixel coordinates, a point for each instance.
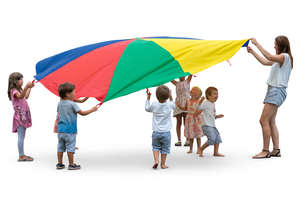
(67, 116)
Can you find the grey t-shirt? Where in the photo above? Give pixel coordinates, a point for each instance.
(208, 114)
(67, 116)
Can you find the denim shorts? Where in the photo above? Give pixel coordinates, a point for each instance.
(66, 142)
(275, 95)
(161, 141)
(212, 134)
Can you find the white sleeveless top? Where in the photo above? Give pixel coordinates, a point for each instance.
(279, 75)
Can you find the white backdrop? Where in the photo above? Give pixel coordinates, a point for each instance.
(115, 142)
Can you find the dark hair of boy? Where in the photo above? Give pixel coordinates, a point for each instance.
(64, 89)
(162, 93)
(209, 90)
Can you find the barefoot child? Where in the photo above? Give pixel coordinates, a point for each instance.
(209, 116)
(67, 124)
(192, 127)
(182, 95)
(161, 124)
(22, 117)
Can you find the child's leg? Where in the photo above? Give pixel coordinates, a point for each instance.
(191, 145)
(71, 158)
(198, 145)
(165, 148)
(202, 149)
(178, 126)
(156, 156)
(187, 140)
(216, 151)
(61, 147)
(70, 146)
(21, 137)
(163, 161)
(156, 147)
(60, 157)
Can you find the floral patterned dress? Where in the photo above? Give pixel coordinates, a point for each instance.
(182, 95)
(22, 116)
(192, 127)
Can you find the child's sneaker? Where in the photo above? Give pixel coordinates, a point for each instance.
(74, 167)
(187, 143)
(60, 166)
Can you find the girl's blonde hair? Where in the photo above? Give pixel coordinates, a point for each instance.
(13, 82)
(199, 91)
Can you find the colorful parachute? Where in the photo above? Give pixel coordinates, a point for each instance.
(111, 69)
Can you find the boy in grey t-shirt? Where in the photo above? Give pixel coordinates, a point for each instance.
(208, 126)
(67, 124)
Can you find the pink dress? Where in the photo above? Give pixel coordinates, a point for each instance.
(22, 116)
(192, 127)
(182, 95)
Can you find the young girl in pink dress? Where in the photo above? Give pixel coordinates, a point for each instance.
(182, 95)
(192, 127)
(22, 116)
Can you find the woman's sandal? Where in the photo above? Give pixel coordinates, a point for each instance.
(27, 158)
(178, 143)
(268, 155)
(276, 154)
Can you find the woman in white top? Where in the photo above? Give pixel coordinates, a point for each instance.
(282, 64)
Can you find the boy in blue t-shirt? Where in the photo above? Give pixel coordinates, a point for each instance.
(67, 124)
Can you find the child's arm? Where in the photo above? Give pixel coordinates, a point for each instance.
(199, 110)
(174, 82)
(87, 112)
(219, 116)
(259, 58)
(148, 107)
(22, 95)
(173, 106)
(81, 100)
(201, 100)
(170, 96)
(27, 93)
(189, 79)
(268, 56)
(180, 107)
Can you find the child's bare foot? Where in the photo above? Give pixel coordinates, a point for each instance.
(164, 167)
(200, 152)
(155, 166)
(218, 155)
(190, 151)
(76, 148)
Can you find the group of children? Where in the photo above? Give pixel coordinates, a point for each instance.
(66, 123)
(198, 113)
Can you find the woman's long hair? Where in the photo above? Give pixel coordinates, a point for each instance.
(283, 44)
(13, 83)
